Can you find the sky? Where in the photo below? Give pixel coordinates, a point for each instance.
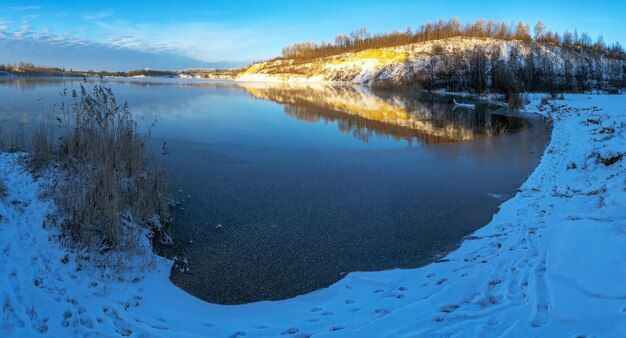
(123, 35)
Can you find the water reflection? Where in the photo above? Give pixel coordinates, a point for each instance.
(417, 118)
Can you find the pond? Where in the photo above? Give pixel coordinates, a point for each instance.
(284, 189)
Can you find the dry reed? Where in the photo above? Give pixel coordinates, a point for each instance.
(109, 188)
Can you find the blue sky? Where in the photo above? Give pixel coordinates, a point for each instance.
(122, 35)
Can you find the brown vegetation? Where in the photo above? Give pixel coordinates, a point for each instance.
(608, 161)
(361, 39)
(109, 188)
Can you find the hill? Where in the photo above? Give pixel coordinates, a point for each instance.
(457, 64)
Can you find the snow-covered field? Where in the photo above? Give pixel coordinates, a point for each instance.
(552, 262)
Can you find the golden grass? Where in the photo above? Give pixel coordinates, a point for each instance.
(108, 186)
(381, 55)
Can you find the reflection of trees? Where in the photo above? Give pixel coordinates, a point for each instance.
(148, 83)
(360, 127)
(414, 117)
(31, 83)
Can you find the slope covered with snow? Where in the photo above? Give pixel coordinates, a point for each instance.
(550, 263)
(440, 59)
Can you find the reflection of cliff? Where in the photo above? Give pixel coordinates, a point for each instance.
(411, 117)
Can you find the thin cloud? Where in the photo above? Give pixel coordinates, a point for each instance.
(24, 8)
(98, 15)
(197, 42)
(22, 32)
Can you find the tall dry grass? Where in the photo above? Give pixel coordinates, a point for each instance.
(12, 135)
(108, 186)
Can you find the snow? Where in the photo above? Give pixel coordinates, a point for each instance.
(398, 64)
(550, 263)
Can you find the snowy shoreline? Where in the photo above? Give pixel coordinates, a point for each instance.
(551, 262)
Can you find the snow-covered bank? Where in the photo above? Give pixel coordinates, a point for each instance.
(551, 262)
(449, 63)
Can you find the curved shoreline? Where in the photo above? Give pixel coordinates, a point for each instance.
(219, 271)
(523, 274)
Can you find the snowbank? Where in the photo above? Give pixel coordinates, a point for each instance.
(551, 262)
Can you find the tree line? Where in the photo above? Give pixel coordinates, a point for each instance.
(484, 70)
(30, 69)
(361, 39)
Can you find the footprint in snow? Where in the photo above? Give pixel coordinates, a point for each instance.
(450, 308)
(40, 325)
(10, 318)
(381, 312)
(290, 331)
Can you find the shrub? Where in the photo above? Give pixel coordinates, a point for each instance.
(608, 161)
(109, 189)
(438, 49)
(515, 100)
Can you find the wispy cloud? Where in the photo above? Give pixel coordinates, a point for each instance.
(98, 15)
(30, 17)
(4, 27)
(24, 8)
(198, 40)
(109, 49)
(22, 32)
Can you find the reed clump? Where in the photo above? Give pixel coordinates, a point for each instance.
(109, 187)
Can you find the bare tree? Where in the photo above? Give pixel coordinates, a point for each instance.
(539, 28)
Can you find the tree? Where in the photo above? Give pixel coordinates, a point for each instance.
(478, 70)
(521, 32)
(539, 28)
(585, 40)
(568, 39)
(599, 45)
(361, 39)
